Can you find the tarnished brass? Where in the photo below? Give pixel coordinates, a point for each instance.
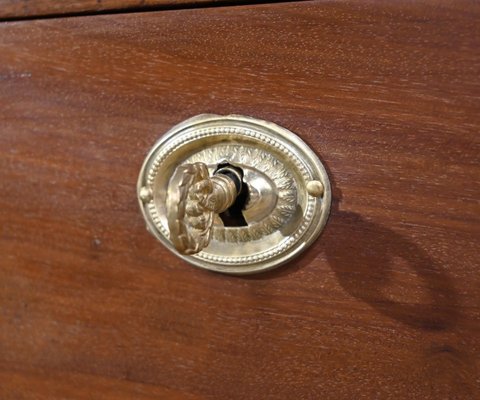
(233, 194)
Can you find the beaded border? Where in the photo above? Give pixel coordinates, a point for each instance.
(241, 132)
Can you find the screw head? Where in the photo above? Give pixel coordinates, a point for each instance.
(145, 194)
(315, 188)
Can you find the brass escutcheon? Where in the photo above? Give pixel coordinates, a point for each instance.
(233, 194)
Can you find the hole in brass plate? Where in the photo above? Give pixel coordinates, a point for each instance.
(233, 216)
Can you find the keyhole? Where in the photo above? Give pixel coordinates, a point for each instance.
(233, 216)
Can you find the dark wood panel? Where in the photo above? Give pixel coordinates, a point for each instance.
(384, 305)
(31, 8)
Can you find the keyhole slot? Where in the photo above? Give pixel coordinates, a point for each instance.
(233, 216)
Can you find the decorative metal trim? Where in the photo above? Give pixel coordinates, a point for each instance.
(279, 153)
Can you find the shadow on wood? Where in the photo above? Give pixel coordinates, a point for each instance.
(388, 271)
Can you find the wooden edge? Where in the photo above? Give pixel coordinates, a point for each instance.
(21, 9)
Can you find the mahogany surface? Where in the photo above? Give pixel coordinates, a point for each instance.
(384, 305)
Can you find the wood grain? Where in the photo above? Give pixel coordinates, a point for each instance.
(384, 305)
(33, 8)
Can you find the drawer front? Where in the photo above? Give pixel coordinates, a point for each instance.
(383, 305)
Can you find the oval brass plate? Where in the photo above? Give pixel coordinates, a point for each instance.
(289, 190)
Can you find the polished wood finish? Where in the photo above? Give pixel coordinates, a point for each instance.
(384, 305)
